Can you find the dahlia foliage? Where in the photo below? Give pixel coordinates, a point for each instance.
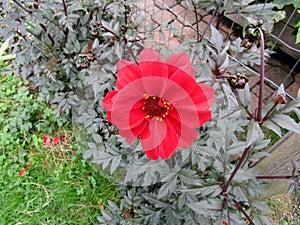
(160, 102)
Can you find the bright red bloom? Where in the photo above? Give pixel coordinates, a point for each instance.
(56, 140)
(47, 141)
(22, 172)
(159, 101)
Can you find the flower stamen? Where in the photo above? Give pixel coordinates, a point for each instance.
(156, 107)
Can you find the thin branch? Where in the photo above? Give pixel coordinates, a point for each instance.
(262, 76)
(42, 25)
(227, 209)
(209, 22)
(21, 6)
(275, 177)
(197, 22)
(48, 35)
(110, 31)
(239, 207)
(269, 112)
(226, 76)
(242, 159)
(66, 32)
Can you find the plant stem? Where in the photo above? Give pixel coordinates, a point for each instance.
(227, 209)
(21, 6)
(66, 32)
(262, 76)
(269, 112)
(226, 76)
(49, 35)
(274, 177)
(110, 31)
(242, 159)
(243, 211)
(209, 23)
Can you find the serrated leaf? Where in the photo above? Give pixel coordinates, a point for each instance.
(262, 206)
(273, 126)
(281, 90)
(216, 38)
(237, 147)
(286, 122)
(206, 206)
(261, 144)
(4, 46)
(115, 163)
(254, 133)
(87, 154)
(168, 188)
(97, 138)
(119, 50)
(244, 95)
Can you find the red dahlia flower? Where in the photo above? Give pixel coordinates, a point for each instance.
(160, 102)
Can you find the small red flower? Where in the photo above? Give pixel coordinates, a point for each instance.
(22, 172)
(224, 223)
(56, 140)
(160, 102)
(60, 111)
(46, 162)
(47, 141)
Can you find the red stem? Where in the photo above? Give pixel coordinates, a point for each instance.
(274, 177)
(243, 211)
(271, 110)
(262, 76)
(242, 159)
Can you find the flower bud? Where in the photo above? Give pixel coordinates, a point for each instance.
(246, 43)
(239, 82)
(280, 99)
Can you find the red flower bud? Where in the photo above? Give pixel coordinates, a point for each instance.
(280, 99)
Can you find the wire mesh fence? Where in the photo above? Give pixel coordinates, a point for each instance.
(171, 22)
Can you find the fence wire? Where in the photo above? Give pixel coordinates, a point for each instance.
(179, 20)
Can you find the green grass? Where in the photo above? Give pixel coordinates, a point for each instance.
(58, 186)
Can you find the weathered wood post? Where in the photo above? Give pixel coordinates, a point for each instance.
(279, 163)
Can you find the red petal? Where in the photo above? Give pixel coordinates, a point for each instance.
(203, 96)
(56, 140)
(158, 132)
(152, 154)
(130, 137)
(47, 141)
(127, 72)
(167, 146)
(181, 61)
(107, 102)
(153, 68)
(149, 54)
(151, 64)
(186, 132)
(204, 116)
(124, 103)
